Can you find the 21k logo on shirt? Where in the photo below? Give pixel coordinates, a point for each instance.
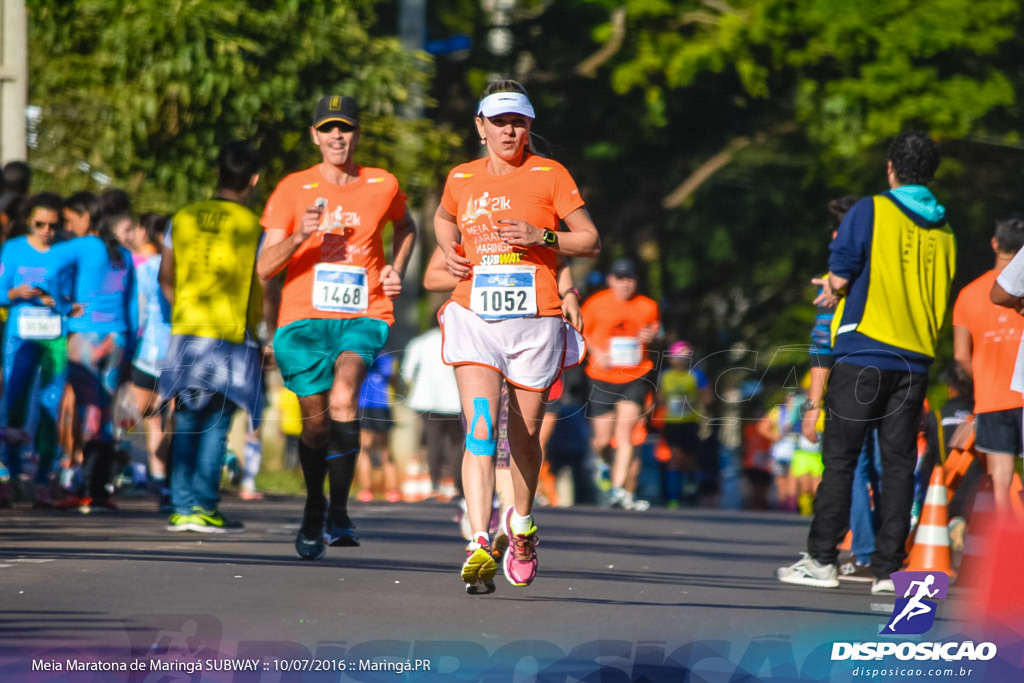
(484, 206)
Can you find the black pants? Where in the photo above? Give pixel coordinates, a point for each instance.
(444, 439)
(859, 398)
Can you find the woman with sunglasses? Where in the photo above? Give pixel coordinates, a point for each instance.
(35, 336)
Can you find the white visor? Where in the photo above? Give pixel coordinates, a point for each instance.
(505, 103)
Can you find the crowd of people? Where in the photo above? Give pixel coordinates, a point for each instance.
(70, 288)
(522, 375)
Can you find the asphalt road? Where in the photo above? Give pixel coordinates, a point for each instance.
(620, 596)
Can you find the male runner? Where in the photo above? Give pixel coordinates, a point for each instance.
(325, 225)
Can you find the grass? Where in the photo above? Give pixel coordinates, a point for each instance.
(288, 482)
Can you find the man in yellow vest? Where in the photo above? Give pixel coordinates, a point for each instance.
(892, 264)
(212, 366)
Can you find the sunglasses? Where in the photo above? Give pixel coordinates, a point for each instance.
(44, 224)
(331, 125)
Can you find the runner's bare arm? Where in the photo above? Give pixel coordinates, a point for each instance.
(963, 349)
(648, 332)
(570, 295)
(809, 423)
(23, 291)
(401, 249)
(166, 274)
(1000, 297)
(446, 230)
(436, 277)
(271, 305)
(581, 240)
(767, 428)
(279, 247)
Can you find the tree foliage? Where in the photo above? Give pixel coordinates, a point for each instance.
(145, 91)
(853, 75)
(707, 136)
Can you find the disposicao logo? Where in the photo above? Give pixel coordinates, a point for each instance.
(914, 614)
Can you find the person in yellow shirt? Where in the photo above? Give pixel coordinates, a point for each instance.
(212, 366)
(682, 392)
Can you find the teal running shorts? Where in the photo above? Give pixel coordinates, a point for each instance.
(306, 350)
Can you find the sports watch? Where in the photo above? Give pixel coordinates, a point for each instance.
(550, 238)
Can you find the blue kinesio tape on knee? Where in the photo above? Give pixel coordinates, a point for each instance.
(488, 446)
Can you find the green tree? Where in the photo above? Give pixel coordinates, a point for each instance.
(716, 131)
(852, 74)
(145, 91)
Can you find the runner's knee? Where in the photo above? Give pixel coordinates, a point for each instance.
(487, 446)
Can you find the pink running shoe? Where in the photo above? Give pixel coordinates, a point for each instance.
(520, 561)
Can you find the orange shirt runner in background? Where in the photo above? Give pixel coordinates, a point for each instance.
(995, 334)
(540, 192)
(611, 326)
(350, 236)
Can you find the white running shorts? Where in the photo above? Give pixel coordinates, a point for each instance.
(528, 352)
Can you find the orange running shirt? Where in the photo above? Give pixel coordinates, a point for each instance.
(540, 192)
(350, 235)
(611, 326)
(995, 332)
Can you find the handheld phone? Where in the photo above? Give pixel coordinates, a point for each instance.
(321, 203)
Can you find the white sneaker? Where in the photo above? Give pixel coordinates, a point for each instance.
(619, 497)
(880, 586)
(807, 572)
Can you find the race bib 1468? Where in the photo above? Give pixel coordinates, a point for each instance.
(340, 289)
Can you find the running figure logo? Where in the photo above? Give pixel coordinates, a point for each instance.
(913, 613)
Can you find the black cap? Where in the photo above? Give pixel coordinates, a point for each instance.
(623, 268)
(336, 108)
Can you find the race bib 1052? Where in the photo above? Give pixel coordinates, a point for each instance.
(504, 291)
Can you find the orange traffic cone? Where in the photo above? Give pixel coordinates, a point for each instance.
(931, 541)
(547, 484)
(958, 462)
(412, 490)
(955, 468)
(662, 452)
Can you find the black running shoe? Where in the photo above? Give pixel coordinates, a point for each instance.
(340, 532)
(309, 543)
